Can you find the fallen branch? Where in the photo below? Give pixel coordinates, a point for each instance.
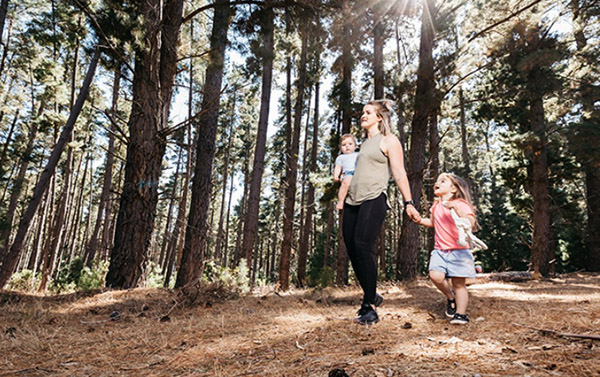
(562, 334)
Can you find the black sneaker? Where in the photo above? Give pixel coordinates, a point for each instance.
(450, 308)
(459, 319)
(366, 316)
(378, 300)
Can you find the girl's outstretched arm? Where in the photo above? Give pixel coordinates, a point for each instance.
(425, 222)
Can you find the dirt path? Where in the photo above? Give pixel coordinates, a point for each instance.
(305, 333)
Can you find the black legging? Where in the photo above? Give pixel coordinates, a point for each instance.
(360, 229)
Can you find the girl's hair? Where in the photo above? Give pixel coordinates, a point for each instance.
(347, 136)
(462, 191)
(383, 109)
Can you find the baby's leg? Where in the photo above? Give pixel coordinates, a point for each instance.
(461, 293)
(343, 191)
(438, 278)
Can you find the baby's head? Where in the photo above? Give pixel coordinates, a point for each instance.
(451, 183)
(347, 143)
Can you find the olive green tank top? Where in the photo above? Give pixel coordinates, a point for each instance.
(372, 172)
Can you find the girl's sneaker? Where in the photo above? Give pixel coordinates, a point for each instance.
(450, 308)
(459, 319)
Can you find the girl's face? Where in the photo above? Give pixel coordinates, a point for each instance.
(348, 145)
(369, 117)
(444, 187)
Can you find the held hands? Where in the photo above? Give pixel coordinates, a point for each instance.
(412, 212)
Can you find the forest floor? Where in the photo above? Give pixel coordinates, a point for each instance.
(143, 332)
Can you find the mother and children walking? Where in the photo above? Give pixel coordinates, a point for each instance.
(364, 200)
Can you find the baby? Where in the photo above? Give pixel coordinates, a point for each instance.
(344, 167)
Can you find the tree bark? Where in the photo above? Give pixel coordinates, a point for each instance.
(434, 170)
(378, 42)
(406, 267)
(310, 192)
(540, 247)
(341, 276)
(59, 221)
(226, 168)
(303, 239)
(348, 64)
(587, 134)
(12, 258)
(103, 215)
(251, 215)
(196, 230)
(292, 170)
(154, 74)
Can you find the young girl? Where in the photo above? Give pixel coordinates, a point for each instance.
(344, 167)
(449, 259)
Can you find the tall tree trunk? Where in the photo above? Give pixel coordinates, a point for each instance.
(378, 42)
(240, 226)
(406, 267)
(434, 168)
(347, 66)
(303, 239)
(155, 68)
(59, 220)
(176, 248)
(540, 248)
(292, 170)
(3, 12)
(587, 133)
(168, 234)
(226, 168)
(251, 216)
(7, 142)
(12, 258)
(341, 276)
(196, 230)
(103, 215)
(310, 192)
(227, 222)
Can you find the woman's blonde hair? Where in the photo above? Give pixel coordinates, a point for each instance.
(383, 109)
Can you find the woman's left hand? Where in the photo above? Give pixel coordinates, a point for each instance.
(412, 212)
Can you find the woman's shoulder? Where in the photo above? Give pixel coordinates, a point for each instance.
(388, 142)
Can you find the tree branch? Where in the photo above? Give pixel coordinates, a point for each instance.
(485, 30)
(194, 13)
(104, 36)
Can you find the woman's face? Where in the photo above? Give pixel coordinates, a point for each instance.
(369, 117)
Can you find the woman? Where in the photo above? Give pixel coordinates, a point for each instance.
(366, 202)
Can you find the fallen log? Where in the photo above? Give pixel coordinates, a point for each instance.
(505, 276)
(561, 334)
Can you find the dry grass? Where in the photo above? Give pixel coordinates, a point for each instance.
(305, 332)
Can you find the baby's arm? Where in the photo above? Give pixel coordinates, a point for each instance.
(337, 171)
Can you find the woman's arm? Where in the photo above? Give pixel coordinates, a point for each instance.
(391, 147)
